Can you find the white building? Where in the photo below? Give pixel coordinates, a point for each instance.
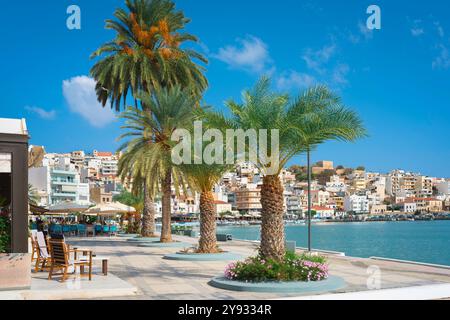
(408, 207)
(292, 204)
(443, 187)
(323, 212)
(356, 203)
(56, 185)
(109, 167)
(335, 185)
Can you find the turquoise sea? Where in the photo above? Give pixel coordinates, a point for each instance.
(427, 241)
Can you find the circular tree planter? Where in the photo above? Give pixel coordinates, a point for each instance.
(125, 235)
(330, 284)
(142, 239)
(158, 244)
(223, 256)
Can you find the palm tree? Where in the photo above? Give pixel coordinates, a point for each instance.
(172, 108)
(131, 168)
(264, 109)
(146, 52)
(33, 196)
(318, 115)
(202, 178)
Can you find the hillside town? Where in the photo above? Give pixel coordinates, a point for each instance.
(337, 193)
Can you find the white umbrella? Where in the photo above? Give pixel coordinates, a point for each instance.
(68, 207)
(122, 207)
(110, 209)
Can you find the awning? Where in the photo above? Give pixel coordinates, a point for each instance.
(36, 210)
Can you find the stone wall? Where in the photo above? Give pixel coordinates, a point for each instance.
(15, 271)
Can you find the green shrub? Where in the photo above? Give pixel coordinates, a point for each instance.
(292, 268)
(5, 234)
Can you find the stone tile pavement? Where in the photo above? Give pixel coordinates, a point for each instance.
(157, 278)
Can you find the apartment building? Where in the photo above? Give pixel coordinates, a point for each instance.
(337, 198)
(77, 158)
(378, 209)
(59, 184)
(98, 195)
(292, 204)
(249, 199)
(222, 207)
(336, 184)
(318, 198)
(322, 212)
(109, 168)
(408, 206)
(443, 187)
(393, 182)
(358, 204)
(423, 186)
(359, 183)
(427, 204)
(246, 169)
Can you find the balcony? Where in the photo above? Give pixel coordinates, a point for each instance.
(63, 194)
(63, 182)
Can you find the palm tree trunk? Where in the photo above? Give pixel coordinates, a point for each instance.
(166, 229)
(272, 227)
(148, 216)
(208, 241)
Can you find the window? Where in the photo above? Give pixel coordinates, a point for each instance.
(5, 202)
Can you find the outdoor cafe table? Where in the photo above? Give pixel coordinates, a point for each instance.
(104, 260)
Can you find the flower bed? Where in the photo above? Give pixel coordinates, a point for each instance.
(292, 268)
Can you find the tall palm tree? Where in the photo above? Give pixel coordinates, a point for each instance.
(146, 52)
(131, 168)
(318, 115)
(264, 109)
(172, 108)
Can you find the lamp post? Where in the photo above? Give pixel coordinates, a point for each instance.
(309, 198)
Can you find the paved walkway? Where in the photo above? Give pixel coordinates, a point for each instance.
(157, 278)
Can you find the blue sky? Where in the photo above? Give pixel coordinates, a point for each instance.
(397, 78)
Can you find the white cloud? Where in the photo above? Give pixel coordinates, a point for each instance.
(442, 61)
(439, 29)
(316, 59)
(417, 29)
(339, 75)
(294, 80)
(251, 55)
(81, 98)
(324, 69)
(363, 33)
(44, 114)
(416, 32)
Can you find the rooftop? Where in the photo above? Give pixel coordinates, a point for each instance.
(13, 126)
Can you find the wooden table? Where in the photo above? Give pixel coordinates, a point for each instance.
(104, 260)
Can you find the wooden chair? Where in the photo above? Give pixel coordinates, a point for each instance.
(34, 246)
(62, 260)
(43, 260)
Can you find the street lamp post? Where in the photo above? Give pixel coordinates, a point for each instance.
(309, 198)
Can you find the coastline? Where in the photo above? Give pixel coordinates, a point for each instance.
(391, 240)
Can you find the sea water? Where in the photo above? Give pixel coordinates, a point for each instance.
(427, 241)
